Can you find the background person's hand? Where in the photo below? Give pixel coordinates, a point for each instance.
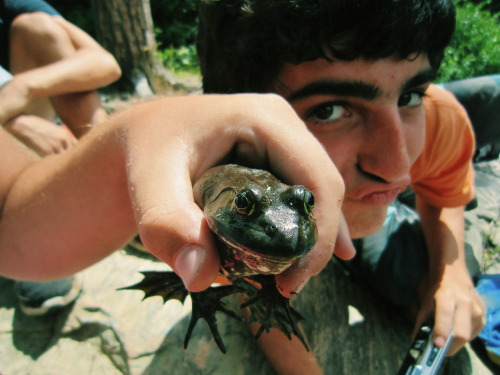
(42, 136)
(15, 97)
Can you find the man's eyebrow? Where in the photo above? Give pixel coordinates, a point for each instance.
(357, 89)
(336, 87)
(422, 77)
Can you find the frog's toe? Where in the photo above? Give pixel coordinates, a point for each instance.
(269, 308)
(204, 305)
(160, 283)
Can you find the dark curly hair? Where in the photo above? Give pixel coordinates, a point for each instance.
(242, 44)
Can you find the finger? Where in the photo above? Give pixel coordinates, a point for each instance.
(170, 224)
(344, 248)
(317, 173)
(443, 320)
(462, 327)
(423, 315)
(469, 321)
(479, 311)
(327, 213)
(294, 279)
(173, 228)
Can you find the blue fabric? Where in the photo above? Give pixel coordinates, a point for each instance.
(5, 76)
(488, 287)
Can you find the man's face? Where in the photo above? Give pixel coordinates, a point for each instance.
(370, 118)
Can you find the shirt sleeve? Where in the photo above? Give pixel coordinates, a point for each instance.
(16, 7)
(443, 175)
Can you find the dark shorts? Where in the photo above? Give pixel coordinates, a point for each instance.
(480, 96)
(393, 260)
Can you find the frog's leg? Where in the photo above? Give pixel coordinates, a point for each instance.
(269, 308)
(160, 283)
(205, 304)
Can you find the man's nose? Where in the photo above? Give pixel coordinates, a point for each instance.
(385, 154)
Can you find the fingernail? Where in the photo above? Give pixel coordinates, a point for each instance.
(439, 341)
(188, 263)
(299, 287)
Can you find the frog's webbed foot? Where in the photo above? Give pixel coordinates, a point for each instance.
(205, 305)
(269, 308)
(160, 283)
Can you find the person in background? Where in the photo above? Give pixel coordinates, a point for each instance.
(51, 70)
(359, 74)
(57, 69)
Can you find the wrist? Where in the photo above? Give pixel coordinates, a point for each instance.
(22, 85)
(456, 271)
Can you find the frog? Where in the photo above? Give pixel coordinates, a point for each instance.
(262, 227)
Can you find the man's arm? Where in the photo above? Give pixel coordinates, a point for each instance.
(287, 357)
(448, 291)
(135, 173)
(15, 160)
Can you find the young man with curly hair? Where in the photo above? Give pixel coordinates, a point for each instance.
(359, 73)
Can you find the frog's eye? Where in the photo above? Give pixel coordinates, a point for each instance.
(308, 201)
(245, 202)
(300, 198)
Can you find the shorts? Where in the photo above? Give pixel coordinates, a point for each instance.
(393, 260)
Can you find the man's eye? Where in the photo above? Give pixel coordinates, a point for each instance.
(411, 99)
(329, 112)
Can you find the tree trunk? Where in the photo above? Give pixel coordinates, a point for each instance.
(125, 28)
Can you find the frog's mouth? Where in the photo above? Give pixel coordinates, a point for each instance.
(238, 260)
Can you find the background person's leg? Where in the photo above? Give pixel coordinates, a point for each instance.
(37, 41)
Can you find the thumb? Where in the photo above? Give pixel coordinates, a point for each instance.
(344, 248)
(172, 227)
(179, 235)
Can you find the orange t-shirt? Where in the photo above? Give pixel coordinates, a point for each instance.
(443, 175)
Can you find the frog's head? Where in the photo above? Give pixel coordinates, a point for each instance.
(265, 226)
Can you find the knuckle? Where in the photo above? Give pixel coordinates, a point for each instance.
(164, 231)
(158, 232)
(461, 336)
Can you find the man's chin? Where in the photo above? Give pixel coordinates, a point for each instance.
(363, 221)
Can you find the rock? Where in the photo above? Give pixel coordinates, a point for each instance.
(112, 332)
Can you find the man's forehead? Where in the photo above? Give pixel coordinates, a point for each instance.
(361, 78)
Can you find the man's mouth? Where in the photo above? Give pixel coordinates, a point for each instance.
(378, 194)
(381, 198)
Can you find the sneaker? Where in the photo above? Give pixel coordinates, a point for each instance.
(38, 298)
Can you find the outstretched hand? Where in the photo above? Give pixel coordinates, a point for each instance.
(135, 172)
(182, 138)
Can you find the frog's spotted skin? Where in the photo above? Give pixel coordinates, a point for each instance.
(263, 226)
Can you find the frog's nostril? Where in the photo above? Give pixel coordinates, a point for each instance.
(270, 230)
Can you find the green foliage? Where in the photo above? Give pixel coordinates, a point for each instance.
(175, 22)
(181, 59)
(474, 50)
(78, 12)
(475, 47)
(175, 30)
